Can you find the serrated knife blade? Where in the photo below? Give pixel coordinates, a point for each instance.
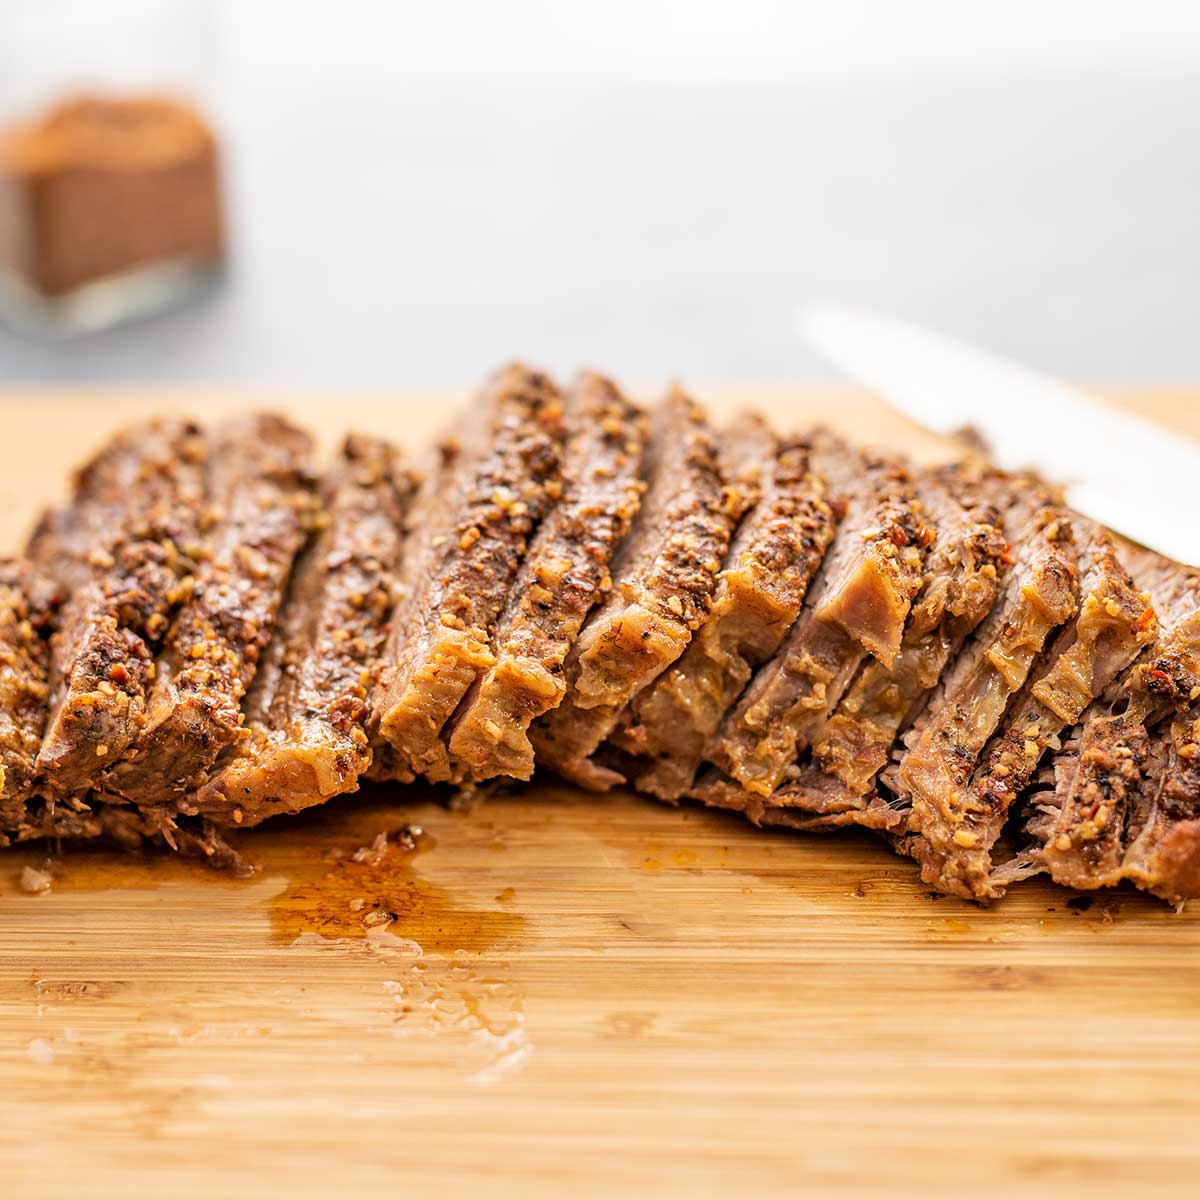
(1136, 477)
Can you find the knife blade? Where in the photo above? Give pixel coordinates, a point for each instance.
(1136, 477)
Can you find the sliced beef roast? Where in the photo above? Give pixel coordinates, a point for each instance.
(123, 551)
(1107, 782)
(1040, 594)
(1115, 620)
(564, 575)
(306, 711)
(664, 573)
(261, 507)
(856, 607)
(1163, 855)
(961, 580)
(770, 564)
(492, 490)
(795, 629)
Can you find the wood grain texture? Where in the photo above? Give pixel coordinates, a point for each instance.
(577, 995)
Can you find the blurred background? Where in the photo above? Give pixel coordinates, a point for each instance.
(416, 192)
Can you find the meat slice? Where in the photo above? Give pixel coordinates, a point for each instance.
(306, 711)
(137, 467)
(1115, 620)
(962, 574)
(1040, 594)
(1109, 778)
(1163, 856)
(492, 491)
(123, 553)
(770, 564)
(960, 584)
(856, 606)
(24, 690)
(665, 572)
(565, 573)
(262, 506)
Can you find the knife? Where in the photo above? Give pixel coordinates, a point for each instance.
(1136, 477)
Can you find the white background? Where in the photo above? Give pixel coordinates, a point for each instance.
(421, 190)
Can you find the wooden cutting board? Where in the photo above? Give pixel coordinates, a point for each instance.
(556, 994)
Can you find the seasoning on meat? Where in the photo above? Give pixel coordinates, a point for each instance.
(499, 484)
(1163, 855)
(665, 570)
(24, 661)
(771, 563)
(122, 553)
(797, 630)
(1040, 594)
(1108, 782)
(1115, 620)
(856, 606)
(306, 711)
(261, 508)
(961, 581)
(564, 575)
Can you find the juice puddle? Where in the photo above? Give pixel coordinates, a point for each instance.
(341, 878)
(375, 890)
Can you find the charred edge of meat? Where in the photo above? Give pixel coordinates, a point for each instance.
(1039, 596)
(770, 565)
(307, 708)
(262, 508)
(126, 547)
(859, 600)
(666, 571)
(503, 483)
(960, 585)
(564, 575)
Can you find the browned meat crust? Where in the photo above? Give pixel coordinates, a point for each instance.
(24, 663)
(857, 605)
(1115, 620)
(770, 565)
(424, 536)
(123, 550)
(496, 488)
(564, 575)
(1111, 776)
(1164, 845)
(307, 709)
(131, 470)
(961, 581)
(1039, 595)
(666, 570)
(1097, 778)
(262, 506)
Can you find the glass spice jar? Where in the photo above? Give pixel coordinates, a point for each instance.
(110, 182)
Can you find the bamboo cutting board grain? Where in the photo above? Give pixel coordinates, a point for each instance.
(577, 995)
